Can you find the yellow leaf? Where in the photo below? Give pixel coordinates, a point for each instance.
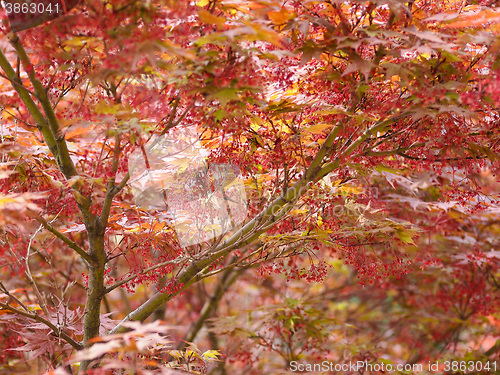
(320, 220)
(104, 108)
(317, 129)
(349, 189)
(78, 42)
(211, 354)
(405, 236)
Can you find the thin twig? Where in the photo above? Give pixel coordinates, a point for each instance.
(15, 83)
(5, 291)
(65, 239)
(57, 331)
(396, 151)
(144, 271)
(28, 274)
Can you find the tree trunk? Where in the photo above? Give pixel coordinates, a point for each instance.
(95, 290)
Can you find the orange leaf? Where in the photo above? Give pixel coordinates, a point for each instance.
(476, 19)
(209, 18)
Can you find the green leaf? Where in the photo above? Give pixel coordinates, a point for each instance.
(291, 303)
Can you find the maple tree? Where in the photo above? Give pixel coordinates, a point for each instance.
(340, 161)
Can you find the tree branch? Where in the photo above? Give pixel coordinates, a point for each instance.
(15, 83)
(110, 189)
(172, 116)
(324, 149)
(25, 96)
(144, 271)
(62, 156)
(65, 239)
(48, 126)
(226, 280)
(353, 146)
(57, 331)
(30, 278)
(397, 151)
(495, 348)
(171, 123)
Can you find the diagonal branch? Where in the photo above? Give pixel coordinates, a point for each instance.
(323, 151)
(25, 96)
(62, 154)
(379, 126)
(65, 239)
(48, 124)
(225, 281)
(56, 330)
(143, 272)
(5, 291)
(172, 116)
(397, 151)
(494, 349)
(171, 123)
(16, 83)
(122, 184)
